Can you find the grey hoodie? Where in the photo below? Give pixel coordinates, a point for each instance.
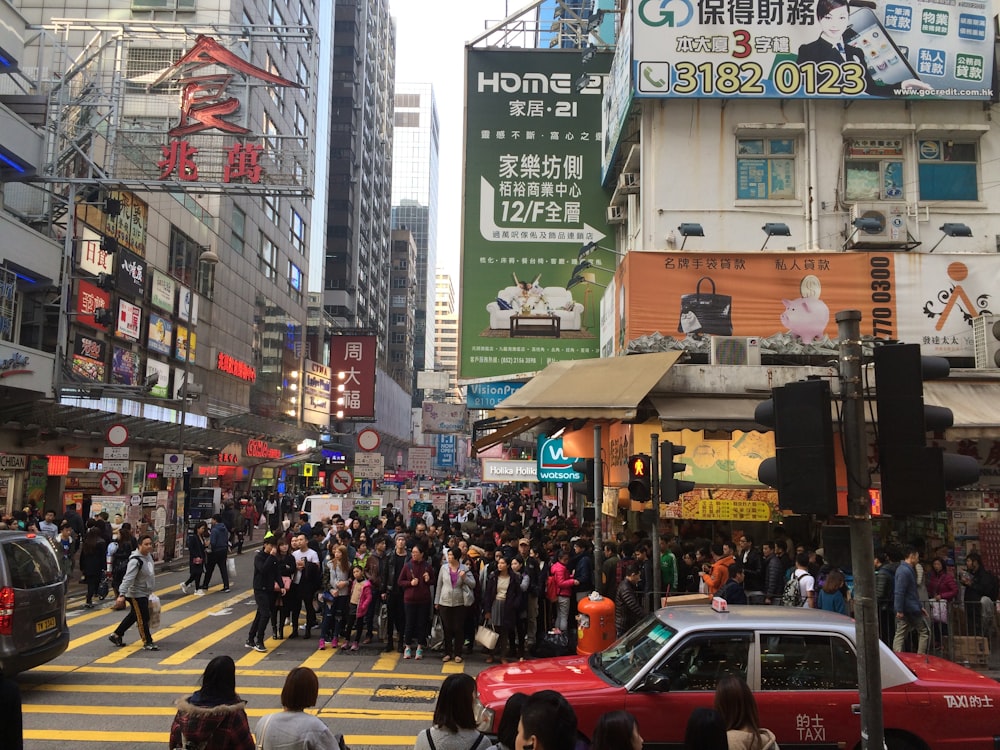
(139, 579)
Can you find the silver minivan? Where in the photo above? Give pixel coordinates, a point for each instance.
(33, 627)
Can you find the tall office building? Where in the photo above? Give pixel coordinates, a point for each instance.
(446, 333)
(415, 201)
(188, 228)
(356, 275)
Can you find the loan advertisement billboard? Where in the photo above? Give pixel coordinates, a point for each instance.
(533, 198)
(780, 298)
(825, 49)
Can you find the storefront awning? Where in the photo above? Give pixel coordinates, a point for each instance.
(687, 412)
(506, 432)
(976, 407)
(609, 388)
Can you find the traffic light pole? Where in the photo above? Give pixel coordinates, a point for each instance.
(654, 458)
(862, 547)
(598, 481)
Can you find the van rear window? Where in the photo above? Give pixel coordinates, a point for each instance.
(31, 563)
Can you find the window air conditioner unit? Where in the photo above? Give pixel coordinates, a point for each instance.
(628, 182)
(986, 339)
(892, 231)
(735, 350)
(616, 214)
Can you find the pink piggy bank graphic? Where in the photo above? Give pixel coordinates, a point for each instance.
(805, 317)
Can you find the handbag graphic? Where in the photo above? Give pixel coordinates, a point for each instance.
(706, 312)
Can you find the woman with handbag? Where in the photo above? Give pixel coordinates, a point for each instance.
(197, 549)
(500, 607)
(520, 633)
(453, 596)
(214, 716)
(942, 588)
(285, 570)
(335, 596)
(292, 728)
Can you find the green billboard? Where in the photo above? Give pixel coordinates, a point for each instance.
(533, 199)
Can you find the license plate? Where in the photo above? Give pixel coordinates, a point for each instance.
(49, 623)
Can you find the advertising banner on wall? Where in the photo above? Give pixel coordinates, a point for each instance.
(443, 418)
(352, 365)
(533, 198)
(790, 299)
(488, 395)
(446, 455)
(315, 393)
(903, 49)
(90, 298)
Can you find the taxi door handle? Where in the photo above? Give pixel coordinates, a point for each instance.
(856, 709)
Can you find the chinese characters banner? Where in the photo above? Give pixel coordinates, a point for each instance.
(533, 199)
(352, 361)
(89, 299)
(828, 50)
(789, 299)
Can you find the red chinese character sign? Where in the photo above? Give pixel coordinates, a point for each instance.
(211, 127)
(352, 360)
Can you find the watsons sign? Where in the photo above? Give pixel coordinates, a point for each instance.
(488, 395)
(509, 471)
(553, 465)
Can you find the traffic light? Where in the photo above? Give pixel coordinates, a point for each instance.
(803, 468)
(914, 475)
(106, 281)
(671, 489)
(585, 466)
(639, 478)
(103, 316)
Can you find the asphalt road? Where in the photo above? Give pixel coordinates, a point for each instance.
(106, 697)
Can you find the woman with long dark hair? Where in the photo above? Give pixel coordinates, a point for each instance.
(616, 730)
(500, 607)
(214, 716)
(280, 612)
(735, 702)
(119, 553)
(454, 723)
(336, 594)
(93, 554)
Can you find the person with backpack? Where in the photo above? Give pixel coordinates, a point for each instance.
(885, 587)
(218, 541)
(118, 554)
(800, 591)
(564, 584)
(136, 588)
(214, 716)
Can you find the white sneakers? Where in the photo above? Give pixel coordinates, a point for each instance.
(200, 592)
(186, 588)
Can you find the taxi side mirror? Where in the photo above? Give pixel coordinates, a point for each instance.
(656, 683)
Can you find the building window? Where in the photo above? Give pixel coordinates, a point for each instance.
(398, 338)
(270, 203)
(400, 282)
(238, 242)
(873, 169)
(397, 319)
(947, 170)
(294, 281)
(268, 258)
(297, 231)
(163, 4)
(184, 253)
(765, 168)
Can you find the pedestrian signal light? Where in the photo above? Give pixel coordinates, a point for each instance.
(639, 487)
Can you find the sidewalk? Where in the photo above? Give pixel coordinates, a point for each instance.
(76, 592)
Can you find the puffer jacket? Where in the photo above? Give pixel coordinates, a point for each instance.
(139, 579)
(221, 727)
(740, 739)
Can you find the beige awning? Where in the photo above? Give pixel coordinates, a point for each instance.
(687, 412)
(609, 388)
(976, 407)
(507, 431)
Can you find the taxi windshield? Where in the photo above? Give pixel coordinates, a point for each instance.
(627, 656)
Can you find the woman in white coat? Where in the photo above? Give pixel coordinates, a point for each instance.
(454, 595)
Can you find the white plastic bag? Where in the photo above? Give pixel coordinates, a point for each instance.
(154, 612)
(231, 566)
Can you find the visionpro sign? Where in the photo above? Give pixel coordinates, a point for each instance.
(553, 465)
(488, 395)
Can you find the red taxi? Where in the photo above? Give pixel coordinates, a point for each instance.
(800, 664)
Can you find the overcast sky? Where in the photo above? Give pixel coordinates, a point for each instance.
(430, 48)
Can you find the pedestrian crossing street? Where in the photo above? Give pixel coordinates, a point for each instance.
(97, 693)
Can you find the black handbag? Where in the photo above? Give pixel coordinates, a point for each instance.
(706, 313)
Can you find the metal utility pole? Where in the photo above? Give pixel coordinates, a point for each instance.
(852, 398)
(654, 467)
(598, 482)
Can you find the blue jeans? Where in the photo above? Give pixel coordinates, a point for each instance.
(334, 614)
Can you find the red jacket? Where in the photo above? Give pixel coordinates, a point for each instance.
(563, 579)
(366, 596)
(421, 593)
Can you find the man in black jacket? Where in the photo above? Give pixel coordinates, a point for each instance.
(628, 608)
(774, 574)
(753, 569)
(265, 575)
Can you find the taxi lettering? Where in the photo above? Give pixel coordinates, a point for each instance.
(968, 701)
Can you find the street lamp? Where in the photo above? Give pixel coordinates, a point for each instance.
(188, 390)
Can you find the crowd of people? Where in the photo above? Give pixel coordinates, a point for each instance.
(215, 716)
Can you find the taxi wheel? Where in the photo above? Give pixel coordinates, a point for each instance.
(895, 741)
